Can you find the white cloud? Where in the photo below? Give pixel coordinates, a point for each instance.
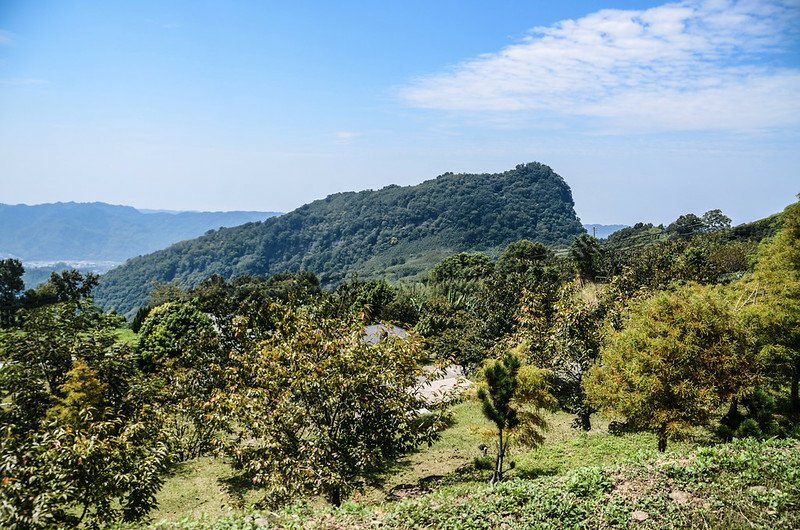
(5, 38)
(681, 66)
(346, 137)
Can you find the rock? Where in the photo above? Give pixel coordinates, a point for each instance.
(640, 516)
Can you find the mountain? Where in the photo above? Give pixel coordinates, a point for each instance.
(602, 231)
(99, 232)
(393, 232)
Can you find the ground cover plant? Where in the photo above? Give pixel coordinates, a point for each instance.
(746, 484)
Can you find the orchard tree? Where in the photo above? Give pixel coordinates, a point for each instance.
(78, 444)
(771, 303)
(315, 409)
(685, 226)
(680, 356)
(587, 255)
(180, 350)
(521, 267)
(512, 398)
(573, 347)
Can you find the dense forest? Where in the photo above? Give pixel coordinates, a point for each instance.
(394, 232)
(684, 332)
(101, 232)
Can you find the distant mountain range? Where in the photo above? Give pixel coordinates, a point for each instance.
(104, 233)
(602, 231)
(394, 232)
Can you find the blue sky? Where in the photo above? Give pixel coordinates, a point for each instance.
(647, 109)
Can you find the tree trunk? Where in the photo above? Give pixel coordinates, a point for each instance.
(662, 439)
(586, 420)
(497, 476)
(794, 397)
(733, 411)
(335, 496)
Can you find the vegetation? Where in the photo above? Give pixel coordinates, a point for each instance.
(394, 232)
(680, 357)
(746, 484)
(271, 392)
(512, 399)
(318, 409)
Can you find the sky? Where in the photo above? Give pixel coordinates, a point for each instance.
(648, 110)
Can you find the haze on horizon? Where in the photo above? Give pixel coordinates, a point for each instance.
(647, 109)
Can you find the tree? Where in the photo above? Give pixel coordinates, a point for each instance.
(72, 286)
(11, 285)
(771, 302)
(715, 220)
(65, 286)
(464, 266)
(78, 442)
(180, 351)
(586, 253)
(520, 256)
(512, 399)
(685, 225)
(315, 409)
(573, 347)
(680, 356)
(520, 267)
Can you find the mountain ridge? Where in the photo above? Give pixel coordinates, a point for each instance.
(394, 232)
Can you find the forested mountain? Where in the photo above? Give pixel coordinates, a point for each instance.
(395, 232)
(101, 232)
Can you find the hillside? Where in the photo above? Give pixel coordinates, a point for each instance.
(101, 232)
(575, 480)
(396, 232)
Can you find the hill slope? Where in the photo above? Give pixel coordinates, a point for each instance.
(396, 231)
(101, 232)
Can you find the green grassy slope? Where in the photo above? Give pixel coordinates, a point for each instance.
(746, 484)
(575, 480)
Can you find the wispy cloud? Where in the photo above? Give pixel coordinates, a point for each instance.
(5, 38)
(697, 64)
(346, 137)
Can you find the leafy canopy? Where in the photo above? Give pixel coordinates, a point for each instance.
(680, 356)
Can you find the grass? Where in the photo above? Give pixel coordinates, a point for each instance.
(125, 335)
(208, 486)
(574, 480)
(746, 484)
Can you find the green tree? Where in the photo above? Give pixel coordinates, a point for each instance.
(11, 285)
(715, 220)
(512, 398)
(315, 409)
(464, 266)
(521, 267)
(78, 445)
(181, 352)
(680, 356)
(685, 226)
(65, 286)
(588, 256)
(770, 298)
(573, 347)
